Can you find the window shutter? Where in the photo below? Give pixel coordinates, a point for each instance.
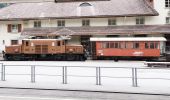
(9, 28)
(19, 27)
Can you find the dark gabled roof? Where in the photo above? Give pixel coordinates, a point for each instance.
(100, 30)
(110, 8)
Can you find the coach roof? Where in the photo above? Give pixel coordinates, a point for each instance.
(91, 9)
(129, 39)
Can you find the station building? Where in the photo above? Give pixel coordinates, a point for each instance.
(82, 19)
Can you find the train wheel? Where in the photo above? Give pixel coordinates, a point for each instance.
(70, 57)
(116, 60)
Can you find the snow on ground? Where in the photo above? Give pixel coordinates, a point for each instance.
(115, 76)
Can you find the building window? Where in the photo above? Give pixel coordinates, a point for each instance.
(86, 22)
(61, 23)
(167, 20)
(14, 42)
(135, 45)
(111, 22)
(140, 20)
(3, 42)
(37, 24)
(85, 4)
(14, 28)
(167, 3)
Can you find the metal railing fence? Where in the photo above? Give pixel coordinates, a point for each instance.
(64, 76)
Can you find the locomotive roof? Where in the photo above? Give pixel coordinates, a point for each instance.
(128, 39)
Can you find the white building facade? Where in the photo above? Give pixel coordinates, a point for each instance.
(13, 26)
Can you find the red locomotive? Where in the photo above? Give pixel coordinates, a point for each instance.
(102, 48)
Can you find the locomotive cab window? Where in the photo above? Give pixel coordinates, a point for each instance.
(58, 43)
(26, 43)
(14, 42)
(63, 43)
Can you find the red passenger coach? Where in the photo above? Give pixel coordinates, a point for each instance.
(126, 47)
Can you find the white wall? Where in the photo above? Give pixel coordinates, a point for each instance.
(159, 5)
(4, 35)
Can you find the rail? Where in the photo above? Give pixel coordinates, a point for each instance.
(98, 73)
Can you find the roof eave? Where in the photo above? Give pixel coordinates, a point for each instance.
(76, 17)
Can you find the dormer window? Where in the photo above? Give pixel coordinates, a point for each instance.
(111, 22)
(85, 4)
(37, 24)
(61, 23)
(85, 22)
(140, 21)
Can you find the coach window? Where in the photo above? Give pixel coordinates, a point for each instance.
(152, 45)
(146, 45)
(112, 45)
(14, 42)
(156, 45)
(135, 45)
(105, 45)
(122, 45)
(126, 44)
(116, 45)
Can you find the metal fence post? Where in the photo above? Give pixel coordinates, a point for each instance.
(98, 76)
(134, 77)
(33, 74)
(133, 84)
(64, 76)
(2, 72)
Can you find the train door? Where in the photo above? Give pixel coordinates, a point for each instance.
(85, 41)
(167, 48)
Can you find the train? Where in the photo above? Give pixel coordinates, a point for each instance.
(102, 48)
